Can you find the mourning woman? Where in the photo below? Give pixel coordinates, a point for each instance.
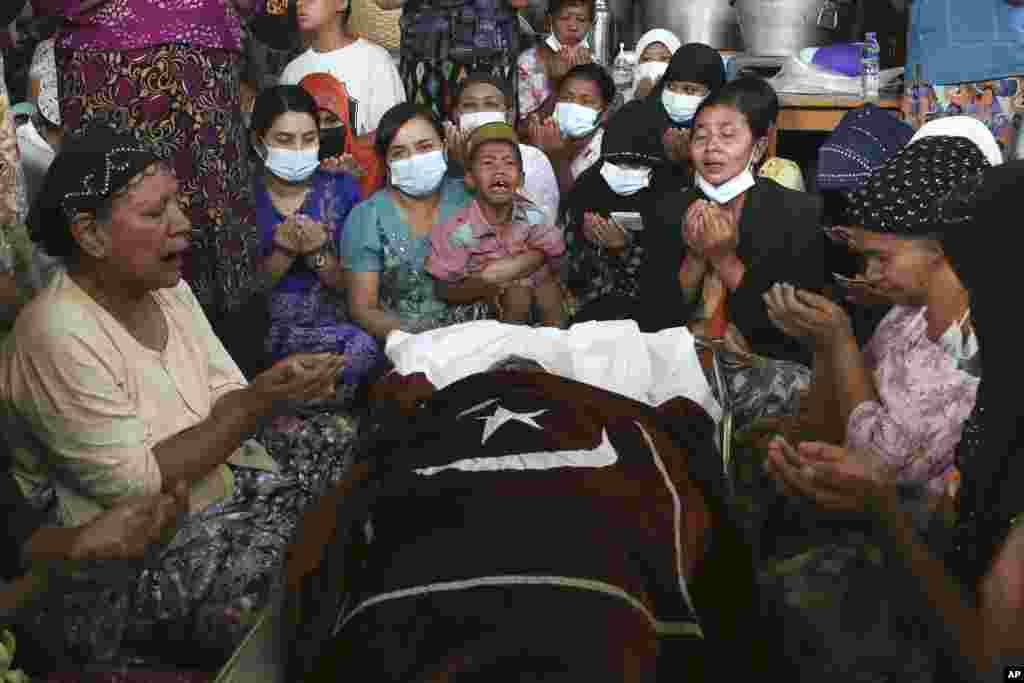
(713, 250)
(667, 113)
(968, 592)
(605, 250)
(114, 385)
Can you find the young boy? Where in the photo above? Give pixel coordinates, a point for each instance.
(482, 98)
(366, 69)
(496, 231)
(542, 68)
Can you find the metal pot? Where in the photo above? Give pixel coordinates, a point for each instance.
(778, 28)
(712, 22)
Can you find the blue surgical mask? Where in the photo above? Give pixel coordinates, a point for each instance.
(625, 181)
(730, 189)
(575, 120)
(292, 165)
(680, 108)
(419, 175)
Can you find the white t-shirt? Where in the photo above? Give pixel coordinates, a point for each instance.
(540, 185)
(36, 157)
(365, 69)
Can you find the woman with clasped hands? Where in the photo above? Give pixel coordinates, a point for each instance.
(712, 251)
(116, 386)
(969, 592)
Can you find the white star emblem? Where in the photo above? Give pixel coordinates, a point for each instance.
(502, 415)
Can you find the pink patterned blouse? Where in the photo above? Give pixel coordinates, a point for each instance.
(924, 399)
(138, 24)
(466, 243)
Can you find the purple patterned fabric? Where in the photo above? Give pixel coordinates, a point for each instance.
(306, 316)
(138, 24)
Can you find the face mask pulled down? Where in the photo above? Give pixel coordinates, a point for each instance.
(730, 189)
(419, 175)
(292, 165)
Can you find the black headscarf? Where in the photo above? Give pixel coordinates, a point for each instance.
(622, 145)
(10, 11)
(696, 63)
(646, 119)
(899, 196)
(87, 172)
(989, 455)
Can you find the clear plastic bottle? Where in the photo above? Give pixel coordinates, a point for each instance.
(622, 72)
(870, 59)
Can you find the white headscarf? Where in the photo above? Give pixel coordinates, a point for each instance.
(963, 127)
(657, 35)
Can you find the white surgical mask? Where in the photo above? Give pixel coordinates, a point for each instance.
(473, 120)
(730, 189)
(953, 342)
(420, 175)
(292, 165)
(625, 181)
(575, 120)
(680, 108)
(651, 70)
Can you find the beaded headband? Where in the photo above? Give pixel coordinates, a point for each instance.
(120, 165)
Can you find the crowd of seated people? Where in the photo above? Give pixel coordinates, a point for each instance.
(351, 220)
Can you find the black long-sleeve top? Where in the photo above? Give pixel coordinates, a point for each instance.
(780, 240)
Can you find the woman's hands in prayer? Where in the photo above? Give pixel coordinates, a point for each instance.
(126, 530)
(603, 231)
(563, 61)
(544, 134)
(711, 235)
(455, 143)
(287, 236)
(676, 142)
(301, 235)
(313, 236)
(343, 163)
(297, 379)
(837, 479)
(806, 315)
(717, 235)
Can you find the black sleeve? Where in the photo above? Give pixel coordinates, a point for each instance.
(808, 244)
(20, 522)
(662, 304)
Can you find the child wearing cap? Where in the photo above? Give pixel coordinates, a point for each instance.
(500, 224)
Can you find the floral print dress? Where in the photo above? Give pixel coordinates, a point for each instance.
(377, 239)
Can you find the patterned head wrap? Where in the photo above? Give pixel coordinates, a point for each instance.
(899, 197)
(864, 140)
(964, 127)
(87, 172)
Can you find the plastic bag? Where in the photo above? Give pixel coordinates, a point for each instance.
(796, 77)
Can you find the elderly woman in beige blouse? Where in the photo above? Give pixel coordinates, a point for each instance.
(114, 385)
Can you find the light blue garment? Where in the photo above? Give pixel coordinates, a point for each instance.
(377, 239)
(959, 41)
